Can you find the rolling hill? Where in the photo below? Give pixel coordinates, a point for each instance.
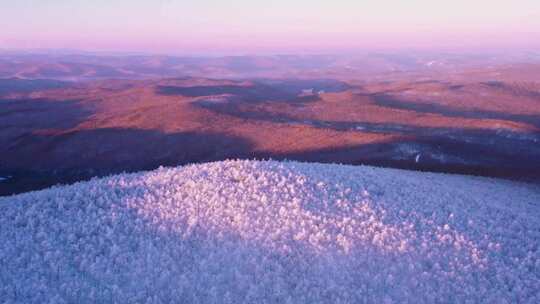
(267, 232)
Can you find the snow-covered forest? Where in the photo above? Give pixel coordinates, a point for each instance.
(273, 232)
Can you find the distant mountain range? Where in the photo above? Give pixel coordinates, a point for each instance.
(67, 66)
(475, 120)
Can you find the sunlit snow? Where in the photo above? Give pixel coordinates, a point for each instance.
(273, 232)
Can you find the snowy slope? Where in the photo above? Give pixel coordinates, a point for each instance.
(260, 232)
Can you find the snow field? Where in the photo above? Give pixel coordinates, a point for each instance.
(273, 232)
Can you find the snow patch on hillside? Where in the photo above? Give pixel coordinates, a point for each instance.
(280, 232)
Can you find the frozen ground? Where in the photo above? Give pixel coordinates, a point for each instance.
(271, 232)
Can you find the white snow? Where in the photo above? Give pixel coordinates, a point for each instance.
(307, 92)
(271, 232)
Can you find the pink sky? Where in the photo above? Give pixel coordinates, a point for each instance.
(243, 26)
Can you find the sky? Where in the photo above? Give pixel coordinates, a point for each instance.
(278, 26)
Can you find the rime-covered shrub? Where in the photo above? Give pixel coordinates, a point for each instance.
(271, 232)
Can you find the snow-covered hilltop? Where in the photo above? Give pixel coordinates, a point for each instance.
(271, 232)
